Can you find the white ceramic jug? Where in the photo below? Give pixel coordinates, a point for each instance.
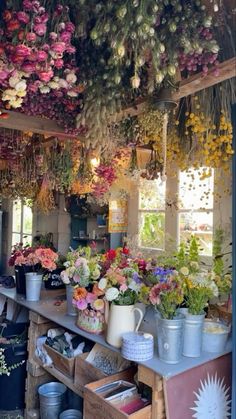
(121, 320)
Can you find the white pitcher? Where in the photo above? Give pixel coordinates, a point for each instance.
(121, 320)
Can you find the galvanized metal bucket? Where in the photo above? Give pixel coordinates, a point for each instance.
(71, 414)
(71, 310)
(33, 286)
(52, 397)
(193, 326)
(214, 342)
(170, 338)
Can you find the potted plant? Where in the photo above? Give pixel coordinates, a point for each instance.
(20, 250)
(166, 296)
(198, 289)
(37, 260)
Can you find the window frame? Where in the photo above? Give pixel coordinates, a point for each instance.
(21, 233)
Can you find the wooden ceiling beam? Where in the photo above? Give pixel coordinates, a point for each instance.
(189, 86)
(21, 122)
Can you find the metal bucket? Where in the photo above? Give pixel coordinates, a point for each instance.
(193, 325)
(71, 310)
(33, 286)
(51, 396)
(170, 338)
(71, 414)
(214, 342)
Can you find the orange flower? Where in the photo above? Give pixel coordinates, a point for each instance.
(97, 291)
(79, 293)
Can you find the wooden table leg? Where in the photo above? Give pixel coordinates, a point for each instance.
(155, 381)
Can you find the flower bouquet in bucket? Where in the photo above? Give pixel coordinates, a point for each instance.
(35, 261)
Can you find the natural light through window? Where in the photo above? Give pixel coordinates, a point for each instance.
(22, 223)
(152, 214)
(196, 207)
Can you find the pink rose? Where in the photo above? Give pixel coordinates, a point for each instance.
(70, 49)
(28, 68)
(31, 37)
(45, 76)
(81, 304)
(46, 47)
(154, 295)
(22, 51)
(27, 5)
(53, 36)
(36, 6)
(58, 47)
(123, 287)
(40, 29)
(90, 297)
(42, 56)
(69, 27)
(3, 75)
(23, 17)
(65, 37)
(37, 19)
(58, 63)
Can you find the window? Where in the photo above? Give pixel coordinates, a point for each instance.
(22, 223)
(196, 207)
(191, 211)
(152, 214)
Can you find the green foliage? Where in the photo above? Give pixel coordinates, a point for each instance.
(197, 299)
(218, 263)
(152, 232)
(126, 298)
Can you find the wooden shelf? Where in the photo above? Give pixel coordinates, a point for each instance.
(69, 382)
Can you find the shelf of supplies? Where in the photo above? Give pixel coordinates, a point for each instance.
(69, 382)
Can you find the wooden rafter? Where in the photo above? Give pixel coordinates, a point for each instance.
(189, 86)
(21, 122)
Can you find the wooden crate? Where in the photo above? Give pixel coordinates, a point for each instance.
(61, 362)
(96, 407)
(221, 312)
(85, 372)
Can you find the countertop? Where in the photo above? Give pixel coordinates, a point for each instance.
(57, 314)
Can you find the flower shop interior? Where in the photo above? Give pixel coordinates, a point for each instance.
(117, 209)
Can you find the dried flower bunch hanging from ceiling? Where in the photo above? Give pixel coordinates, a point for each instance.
(38, 72)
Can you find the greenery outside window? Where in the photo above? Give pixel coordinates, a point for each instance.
(152, 214)
(22, 223)
(195, 215)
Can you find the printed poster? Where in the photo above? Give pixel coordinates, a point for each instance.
(118, 216)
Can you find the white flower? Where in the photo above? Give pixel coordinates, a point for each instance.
(53, 85)
(44, 89)
(65, 277)
(13, 81)
(72, 93)
(102, 284)
(9, 92)
(71, 78)
(184, 271)
(213, 287)
(63, 83)
(66, 264)
(112, 294)
(21, 85)
(21, 93)
(134, 286)
(16, 103)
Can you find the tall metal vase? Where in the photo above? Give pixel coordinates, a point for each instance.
(170, 338)
(193, 326)
(71, 310)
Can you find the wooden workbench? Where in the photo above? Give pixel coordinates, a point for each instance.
(154, 373)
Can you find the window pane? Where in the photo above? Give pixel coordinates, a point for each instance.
(152, 230)
(196, 190)
(201, 225)
(27, 240)
(152, 194)
(27, 220)
(15, 238)
(16, 217)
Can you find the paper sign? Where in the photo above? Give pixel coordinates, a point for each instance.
(118, 216)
